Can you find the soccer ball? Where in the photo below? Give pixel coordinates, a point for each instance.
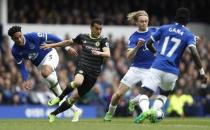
(160, 115)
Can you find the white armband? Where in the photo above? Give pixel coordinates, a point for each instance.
(67, 48)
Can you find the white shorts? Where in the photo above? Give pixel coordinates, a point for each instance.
(164, 80)
(133, 76)
(50, 59)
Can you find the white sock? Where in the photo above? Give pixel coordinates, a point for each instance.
(159, 102)
(74, 108)
(112, 108)
(54, 85)
(53, 80)
(136, 99)
(144, 103)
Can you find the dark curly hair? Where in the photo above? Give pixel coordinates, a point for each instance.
(182, 15)
(13, 30)
(96, 21)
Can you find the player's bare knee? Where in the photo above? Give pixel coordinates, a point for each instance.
(46, 71)
(119, 94)
(77, 82)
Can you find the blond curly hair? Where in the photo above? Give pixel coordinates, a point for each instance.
(133, 16)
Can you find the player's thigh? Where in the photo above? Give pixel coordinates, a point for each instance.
(78, 79)
(132, 77)
(168, 81)
(152, 80)
(51, 59)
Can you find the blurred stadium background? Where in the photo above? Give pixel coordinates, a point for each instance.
(67, 18)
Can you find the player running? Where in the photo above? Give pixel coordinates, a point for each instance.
(173, 40)
(94, 49)
(141, 58)
(27, 47)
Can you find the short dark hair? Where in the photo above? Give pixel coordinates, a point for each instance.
(182, 15)
(13, 30)
(96, 21)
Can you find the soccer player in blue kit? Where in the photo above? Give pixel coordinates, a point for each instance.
(141, 58)
(173, 40)
(27, 47)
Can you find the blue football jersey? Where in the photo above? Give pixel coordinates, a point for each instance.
(173, 39)
(31, 49)
(143, 58)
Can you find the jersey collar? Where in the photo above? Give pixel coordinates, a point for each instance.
(179, 24)
(142, 31)
(93, 37)
(24, 40)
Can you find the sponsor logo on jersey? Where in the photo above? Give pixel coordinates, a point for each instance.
(92, 48)
(32, 56)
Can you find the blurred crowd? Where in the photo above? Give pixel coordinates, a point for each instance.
(12, 93)
(192, 96)
(113, 12)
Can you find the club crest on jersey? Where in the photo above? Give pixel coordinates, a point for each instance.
(31, 45)
(97, 44)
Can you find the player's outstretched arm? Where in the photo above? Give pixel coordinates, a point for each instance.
(59, 44)
(197, 61)
(26, 84)
(71, 51)
(132, 52)
(150, 46)
(105, 53)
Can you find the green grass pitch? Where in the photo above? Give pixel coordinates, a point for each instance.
(99, 124)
